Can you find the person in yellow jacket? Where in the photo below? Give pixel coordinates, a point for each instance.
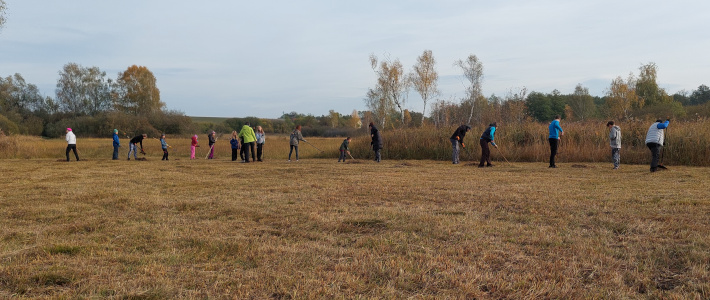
(248, 140)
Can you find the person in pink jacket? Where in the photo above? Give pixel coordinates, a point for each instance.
(192, 147)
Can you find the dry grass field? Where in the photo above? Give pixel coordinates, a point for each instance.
(318, 229)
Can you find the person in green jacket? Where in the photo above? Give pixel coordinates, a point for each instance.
(248, 140)
(344, 148)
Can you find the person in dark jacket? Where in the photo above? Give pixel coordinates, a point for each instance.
(344, 149)
(456, 140)
(133, 145)
(487, 137)
(234, 141)
(376, 141)
(212, 141)
(116, 144)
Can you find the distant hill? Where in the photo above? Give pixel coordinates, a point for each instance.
(215, 120)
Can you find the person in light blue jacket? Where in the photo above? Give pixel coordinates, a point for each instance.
(165, 146)
(116, 144)
(554, 139)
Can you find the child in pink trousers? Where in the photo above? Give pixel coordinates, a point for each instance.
(192, 147)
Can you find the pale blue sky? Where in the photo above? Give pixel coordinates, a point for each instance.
(262, 58)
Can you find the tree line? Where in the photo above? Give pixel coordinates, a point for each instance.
(634, 97)
(87, 99)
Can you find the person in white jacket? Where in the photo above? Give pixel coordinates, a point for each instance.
(71, 144)
(654, 141)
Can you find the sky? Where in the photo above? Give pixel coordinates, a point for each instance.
(237, 58)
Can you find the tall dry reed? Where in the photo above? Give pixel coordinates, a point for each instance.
(687, 143)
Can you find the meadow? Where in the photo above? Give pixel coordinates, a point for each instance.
(319, 229)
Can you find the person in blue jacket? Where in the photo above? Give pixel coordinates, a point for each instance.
(487, 137)
(164, 145)
(554, 139)
(116, 144)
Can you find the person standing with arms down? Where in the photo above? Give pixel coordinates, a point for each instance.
(193, 145)
(260, 140)
(554, 138)
(654, 141)
(71, 143)
(376, 141)
(132, 146)
(164, 145)
(248, 139)
(234, 141)
(615, 143)
(116, 144)
(456, 140)
(487, 137)
(294, 138)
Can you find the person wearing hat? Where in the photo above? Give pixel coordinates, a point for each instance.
(71, 144)
(212, 141)
(487, 137)
(456, 139)
(116, 144)
(165, 146)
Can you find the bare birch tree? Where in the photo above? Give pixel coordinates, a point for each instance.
(424, 78)
(473, 71)
(391, 89)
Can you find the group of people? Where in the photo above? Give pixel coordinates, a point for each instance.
(654, 141)
(244, 142)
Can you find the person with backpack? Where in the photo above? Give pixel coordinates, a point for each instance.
(294, 138)
(456, 140)
(248, 139)
(376, 141)
(71, 144)
(615, 143)
(487, 137)
(554, 139)
(344, 149)
(654, 141)
(234, 141)
(116, 144)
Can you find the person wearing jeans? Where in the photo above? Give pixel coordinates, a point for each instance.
(116, 144)
(133, 145)
(456, 140)
(554, 139)
(294, 138)
(615, 143)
